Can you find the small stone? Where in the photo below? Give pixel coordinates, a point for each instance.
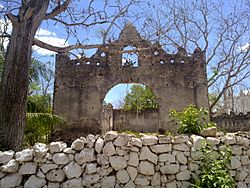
(40, 174)
(156, 180)
(146, 168)
(89, 179)
(118, 162)
(72, 170)
(133, 159)
(135, 142)
(235, 162)
(90, 140)
(35, 181)
(171, 184)
(60, 158)
(211, 131)
(193, 167)
(244, 160)
(180, 139)
(28, 168)
(99, 145)
(10, 167)
(78, 144)
(166, 158)
(86, 155)
(181, 158)
(132, 172)
(236, 150)
(6, 156)
(181, 147)
(212, 141)
(185, 175)
(130, 184)
(149, 140)
(146, 154)
(101, 160)
(109, 149)
(52, 185)
(56, 175)
(108, 182)
(40, 150)
(241, 185)
(11, 180)
(73, 183)
(91, 168)
(241, 175)
(141, 181)
(198, 142)
(122, 176)
(170, 169)
(1, 174)
(56, 147)
(164, 139)
(47, 167)
(110, 135)
(122, 140)
(229, 139)
(161, 148)
(69, 151)
(24, 156)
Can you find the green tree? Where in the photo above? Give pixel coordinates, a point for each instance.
(140, 98)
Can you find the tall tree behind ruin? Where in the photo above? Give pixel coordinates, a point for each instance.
(220, 28)
(26, 17)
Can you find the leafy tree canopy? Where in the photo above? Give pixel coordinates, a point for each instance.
(140, 98)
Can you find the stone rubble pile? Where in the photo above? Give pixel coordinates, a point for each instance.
(120, 160)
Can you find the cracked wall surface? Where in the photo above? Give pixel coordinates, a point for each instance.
(82, 84)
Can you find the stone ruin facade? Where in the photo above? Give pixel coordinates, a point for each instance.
(82, 84)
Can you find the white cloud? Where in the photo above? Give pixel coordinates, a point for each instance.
(1, 6)
(44, 35)
(245, 47)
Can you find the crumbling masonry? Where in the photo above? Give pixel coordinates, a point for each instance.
(82, 84)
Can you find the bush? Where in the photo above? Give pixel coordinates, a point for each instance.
(191, 120)
(214, 169)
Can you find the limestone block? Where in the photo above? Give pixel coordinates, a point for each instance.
(241, 175)
(105, 171)
(148, 140)
(60, 158)
(130, 184)
(163, 139)
(99, 145)
(122, 140)
(132, 172)
(242, 141)
(24, 156)
(86, 155)
(35, 182)
(89, 179)
(146, 154)
(212, 141)
(156, 180)
(109, 149)
(193, 167)
(101, 160)
(141, 181)
(91, 168)
(10, 167)
(47, 167)
(120, 151)
(6, 156)
(118, 162)
(135, 142)
(198, 142)
(11, 180)
(73, 183)
(181, 147)
(180, 139)
(40, 174)
(181, 158)
(146, 168)
(171, 184)
(78, 144)
(161, 148)
(133, 159)
(110, 135)
(235, 162)
(40, 150)
(72, 170)
(210, 131)
(90, 140)
(170, 169)
(236, 150)
(56, 147)
(108, 182)
(28, 168)
(52, 185)
(122, 176)
(166, 158)
(56, 175)
(229, 139)
(244, 160)
(69, 151)
(185, 175)
(241, 185)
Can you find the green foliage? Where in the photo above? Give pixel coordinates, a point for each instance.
(191, 120)
(38, 127)
(214, 169)
(39, 103)
(140, 98)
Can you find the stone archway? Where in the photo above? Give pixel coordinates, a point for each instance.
(81, 85)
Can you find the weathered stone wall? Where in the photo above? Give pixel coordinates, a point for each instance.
(145, 121)
(233, 122)
(81, 85)
(120, 160)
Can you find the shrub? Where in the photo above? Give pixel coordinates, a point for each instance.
(214, 169)
(191, 120)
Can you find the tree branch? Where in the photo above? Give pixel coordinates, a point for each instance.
(57, 10)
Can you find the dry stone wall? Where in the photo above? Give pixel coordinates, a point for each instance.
(120, 160)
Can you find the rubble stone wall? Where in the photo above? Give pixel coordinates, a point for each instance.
(120, 160)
